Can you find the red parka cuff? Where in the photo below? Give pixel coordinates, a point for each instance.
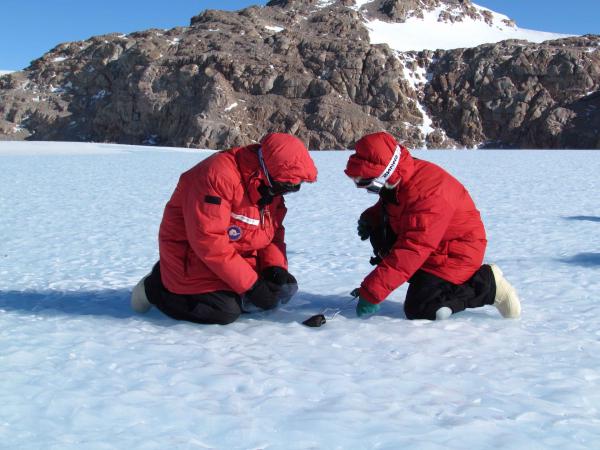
(366, 295)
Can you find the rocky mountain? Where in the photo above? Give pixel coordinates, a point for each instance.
(309, 67)
(518, 95)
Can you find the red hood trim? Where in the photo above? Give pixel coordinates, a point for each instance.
(287, 159)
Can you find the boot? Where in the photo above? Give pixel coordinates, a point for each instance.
(507, 301)
(139, 300)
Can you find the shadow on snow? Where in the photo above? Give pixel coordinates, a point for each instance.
(115, 303)
(306, 305)
(585, 218)
(583, 259)
(109, 302)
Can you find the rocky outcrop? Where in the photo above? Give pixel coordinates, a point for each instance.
(521, 95)
(226, 80)
(305, 67)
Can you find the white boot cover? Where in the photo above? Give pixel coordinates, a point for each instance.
(139, 300)
(507, 301)
(443, 313)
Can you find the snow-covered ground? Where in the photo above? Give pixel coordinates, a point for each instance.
(80, 370)
(5, 72)
(429, 33)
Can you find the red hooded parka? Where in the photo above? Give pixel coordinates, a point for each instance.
(438, 228)
(213, 236)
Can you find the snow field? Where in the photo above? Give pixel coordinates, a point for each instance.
(80, 370)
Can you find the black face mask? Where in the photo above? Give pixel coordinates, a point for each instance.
(266, 197)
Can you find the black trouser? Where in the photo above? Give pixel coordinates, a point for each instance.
(219, 307)
(428, 293)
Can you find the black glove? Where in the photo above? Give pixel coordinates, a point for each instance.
(264, 294)
(278, 275)
(285, 280)
(364, 229)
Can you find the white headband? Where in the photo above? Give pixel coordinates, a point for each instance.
(389, 170)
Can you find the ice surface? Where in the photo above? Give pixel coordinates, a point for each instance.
(80, 370)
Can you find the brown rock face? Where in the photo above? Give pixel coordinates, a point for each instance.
(305, 67)
(226, 80)
(518, 94)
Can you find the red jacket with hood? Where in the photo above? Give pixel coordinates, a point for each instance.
(438, 227)
(213, 236)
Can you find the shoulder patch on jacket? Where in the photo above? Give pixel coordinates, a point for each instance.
(212, 199)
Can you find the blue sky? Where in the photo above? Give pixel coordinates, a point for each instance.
(29, 28)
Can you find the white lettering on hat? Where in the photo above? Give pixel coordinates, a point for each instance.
(389, 170)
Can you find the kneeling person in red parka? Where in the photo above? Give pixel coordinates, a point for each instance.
(425, 230)
(221, 239)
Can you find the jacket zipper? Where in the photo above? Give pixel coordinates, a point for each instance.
(265, 211)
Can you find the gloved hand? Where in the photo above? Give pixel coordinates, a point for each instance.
(364, 307)
(278, 275)
(287, 282)
(364, 229)
(263, 294)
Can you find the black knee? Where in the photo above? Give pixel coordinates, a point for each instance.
(416, 311)
(426, 294)
(226, 318)
(219, 307)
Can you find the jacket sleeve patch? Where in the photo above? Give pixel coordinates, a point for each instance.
(212, 199)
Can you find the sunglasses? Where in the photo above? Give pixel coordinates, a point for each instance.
(372, 185)
(282, 188)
